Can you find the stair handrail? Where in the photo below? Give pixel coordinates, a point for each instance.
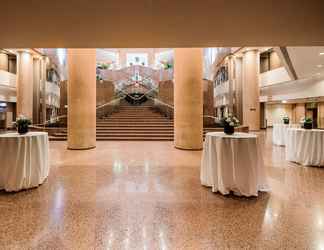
(56, 118)
(158, 101)
(128, 71)
(111, 102)
(138, 98)
(210, 116)
(161, 102)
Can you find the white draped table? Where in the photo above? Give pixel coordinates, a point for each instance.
(305, 146)
(279, 133)
(23, 160)
(233, 163)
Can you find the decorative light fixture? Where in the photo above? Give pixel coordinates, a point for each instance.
(284, 101)
(321, 53)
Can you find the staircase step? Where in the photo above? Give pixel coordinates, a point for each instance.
(131, 131)
(133, 119)
(135, 139)
(131, 123)
(136, 116)
(119, 138)
(122, 133)
(147, 124)
(134, 126)
(135, 107)
(112, 129)
(140, 115)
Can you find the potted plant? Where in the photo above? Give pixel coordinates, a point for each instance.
(22, 124)
(308, 123)
(285, 119)
(230, 122)
(166, 65)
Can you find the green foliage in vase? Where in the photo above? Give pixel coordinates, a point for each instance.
(22, 121)
(308, 120)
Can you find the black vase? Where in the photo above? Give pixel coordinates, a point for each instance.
(229, 130)
(308, 125)
(22, 128)
(286, 121)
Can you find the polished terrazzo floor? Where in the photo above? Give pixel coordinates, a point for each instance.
(147, 195)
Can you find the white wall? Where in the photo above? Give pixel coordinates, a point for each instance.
(7, 86)
(274, 76)
(299, 89)
(275, 112)
(8, 90)
(7, 79)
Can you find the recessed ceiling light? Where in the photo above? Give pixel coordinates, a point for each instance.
(322, 54)
(319, 66)
(284, 101)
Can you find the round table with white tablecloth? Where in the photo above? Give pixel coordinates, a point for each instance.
(305, 146)
(233, 163)
(24, 160)
(279, 133)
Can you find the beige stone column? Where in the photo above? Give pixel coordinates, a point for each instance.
(25, 84)
(231, 83)
(81, 98)
(208, 102)
(43, 79)
(251, 89)
(36, 89)
(188, 98)
(320, 115)
(4, 62)
(238, 89)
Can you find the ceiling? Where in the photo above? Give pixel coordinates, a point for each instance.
(307, 61)
(160, 23)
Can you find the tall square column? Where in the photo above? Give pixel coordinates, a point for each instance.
(81, 98)
(188, 98)
(251, 89)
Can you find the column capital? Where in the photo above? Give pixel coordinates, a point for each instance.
(250, 50)
(27, 51)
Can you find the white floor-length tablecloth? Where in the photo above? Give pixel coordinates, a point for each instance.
(23, 160)
(305, 146)
(233, 163)
(279, 133)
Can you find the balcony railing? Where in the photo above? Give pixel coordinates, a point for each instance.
(128, 72)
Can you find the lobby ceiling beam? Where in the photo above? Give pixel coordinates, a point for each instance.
(165, 24)
(285, 58)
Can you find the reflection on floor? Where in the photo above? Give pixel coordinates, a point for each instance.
(147, 195)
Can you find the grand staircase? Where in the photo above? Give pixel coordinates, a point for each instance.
(140, 123)
(132, 123)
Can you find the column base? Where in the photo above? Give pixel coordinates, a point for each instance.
(86, 148)
(189, 149)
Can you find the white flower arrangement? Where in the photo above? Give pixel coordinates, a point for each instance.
(231, 120)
